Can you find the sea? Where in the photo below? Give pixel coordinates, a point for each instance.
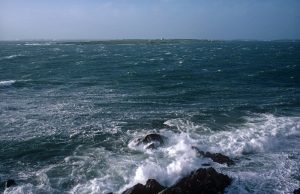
(71, 112)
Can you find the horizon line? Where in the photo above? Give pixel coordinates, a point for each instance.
(145, 39)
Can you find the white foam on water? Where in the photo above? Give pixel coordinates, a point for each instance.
(264, 173)
(7, 82)
(186, 126)
(170, 163)
(12, 56)
(259, 147)
(39, 44)
(259, 139)
(260, 134)
(112, 170)
(27, 188)
(43, 184)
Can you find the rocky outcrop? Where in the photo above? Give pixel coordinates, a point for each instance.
(216, 157)
(201, 181)
(151, 187)
(153, 140)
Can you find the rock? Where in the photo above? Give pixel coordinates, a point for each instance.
(9, 183)
(155, 140)
(202, 181)
(153, 137)
(152, 146)
(151, 187)
(216, 157)
(219, 158)
(296, 191)
(136, 189)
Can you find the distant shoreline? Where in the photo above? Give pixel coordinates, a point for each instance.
(162, 40)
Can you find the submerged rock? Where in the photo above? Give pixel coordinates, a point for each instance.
(151, 187)
(216, 157)
(297, 191)
(154, 140)
(202, 181)
(9, 183)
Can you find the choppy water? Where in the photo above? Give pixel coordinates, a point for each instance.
(69, 112)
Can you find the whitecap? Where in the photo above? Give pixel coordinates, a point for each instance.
(261, 133)
(12, 56)
(38, 44)
(7, 83)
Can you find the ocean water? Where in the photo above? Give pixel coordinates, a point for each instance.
(70, 113)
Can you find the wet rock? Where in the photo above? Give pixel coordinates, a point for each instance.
(151, 187)
(219, 158)
(136, 189)
(9, 183)
(297, 191)
(153, 137)
(202, 181)
(216, 157)
(155, 140)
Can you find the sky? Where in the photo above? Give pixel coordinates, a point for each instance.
(149, 19)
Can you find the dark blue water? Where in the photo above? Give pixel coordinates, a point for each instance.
(70, 112)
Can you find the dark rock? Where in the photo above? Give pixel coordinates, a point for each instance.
(9, 183)
(219, 158)
(296, 191)
(136, 189)
(216, 157)
(205, 164)
(174, 190)
(151, 187)
(202, 181)
(155, 140)
(152, 146)
(153, 137)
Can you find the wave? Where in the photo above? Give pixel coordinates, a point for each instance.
(38, 44)
(262, 133)
(259, 147)
(7, 83)
(262, 138)
(12, 56)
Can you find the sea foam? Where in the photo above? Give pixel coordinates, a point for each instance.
(260, 134)
(7, 82)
